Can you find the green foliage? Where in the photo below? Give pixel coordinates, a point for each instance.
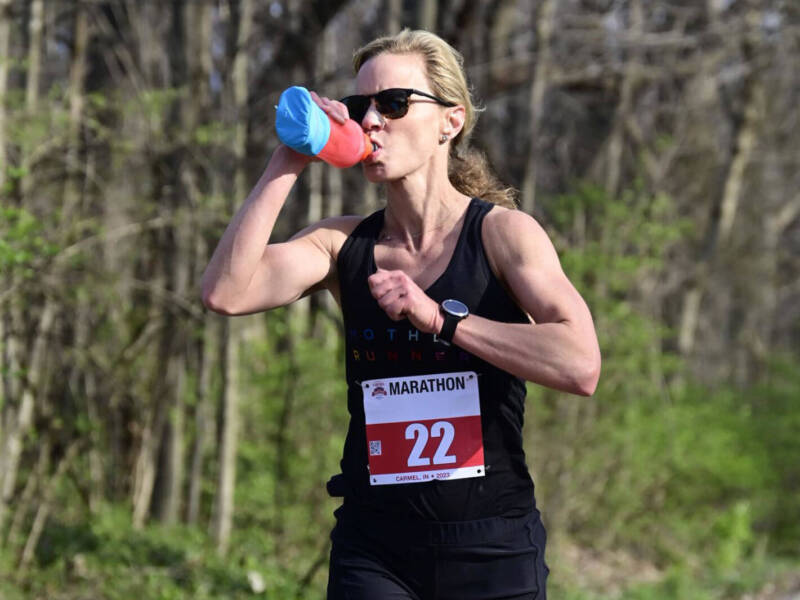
(106, 558)
(22, 242)
(692, 479)
(774, 405)
(292, 439)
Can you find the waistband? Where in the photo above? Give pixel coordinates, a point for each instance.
(439, 533)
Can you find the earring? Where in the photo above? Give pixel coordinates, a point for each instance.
(443, 139)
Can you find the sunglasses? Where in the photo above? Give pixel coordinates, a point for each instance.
(391, 103)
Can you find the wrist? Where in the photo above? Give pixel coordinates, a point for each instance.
(438, 321)
(286, 159)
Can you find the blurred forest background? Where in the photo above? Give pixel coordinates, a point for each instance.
(151, 449)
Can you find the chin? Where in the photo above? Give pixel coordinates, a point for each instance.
(376, 173)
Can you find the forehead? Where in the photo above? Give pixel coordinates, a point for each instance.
(392, 71)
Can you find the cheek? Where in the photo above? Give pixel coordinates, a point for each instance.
(414, 145)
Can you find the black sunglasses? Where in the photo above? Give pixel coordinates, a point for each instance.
(391, 103)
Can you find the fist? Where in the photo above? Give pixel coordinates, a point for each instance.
(401, 298)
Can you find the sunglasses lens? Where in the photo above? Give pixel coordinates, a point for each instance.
(357, 107)
(392, 104)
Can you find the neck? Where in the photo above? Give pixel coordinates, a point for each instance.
(421, 208)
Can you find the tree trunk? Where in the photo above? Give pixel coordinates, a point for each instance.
(77, 74)
(35, 27)
(745, 146)
(199, 62)
(427, 14)
(18, 418)
(223, 515)
(9, 346)
(203, 416)
(45, 505)
(630, 81)
(32, 485)
(5, 44)
(394, 16)
(223, 518)
(544, 32)
(721, 220)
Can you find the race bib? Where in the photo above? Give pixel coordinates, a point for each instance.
(423, 428)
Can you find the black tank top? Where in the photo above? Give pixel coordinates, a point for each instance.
(377, 347)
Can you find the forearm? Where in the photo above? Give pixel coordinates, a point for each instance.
(241, 247)
(551, 354)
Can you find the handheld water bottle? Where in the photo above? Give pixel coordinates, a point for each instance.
(306, 128)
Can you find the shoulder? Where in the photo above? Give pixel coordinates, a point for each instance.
(330, 234)
(513, 238)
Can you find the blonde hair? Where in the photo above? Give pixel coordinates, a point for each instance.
(468, 169)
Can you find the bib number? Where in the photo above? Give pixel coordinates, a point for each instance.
(443, 429)
(423, 428)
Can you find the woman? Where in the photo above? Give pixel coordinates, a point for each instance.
(449, 303)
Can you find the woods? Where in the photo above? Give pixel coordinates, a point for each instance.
(150, 447)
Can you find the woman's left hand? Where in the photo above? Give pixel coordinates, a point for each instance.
(401, 298)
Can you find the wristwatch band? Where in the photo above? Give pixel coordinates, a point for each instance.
(449, 328)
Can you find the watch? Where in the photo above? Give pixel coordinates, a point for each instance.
(454, 311)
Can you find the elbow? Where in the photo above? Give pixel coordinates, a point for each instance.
(586, 378)
(214, 301)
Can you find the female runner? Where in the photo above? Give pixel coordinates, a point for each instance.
(451, 299)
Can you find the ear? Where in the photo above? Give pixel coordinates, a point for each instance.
(453, 121)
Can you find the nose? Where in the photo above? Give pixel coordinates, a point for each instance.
(372, 118)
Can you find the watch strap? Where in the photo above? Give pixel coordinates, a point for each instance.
(448, 328)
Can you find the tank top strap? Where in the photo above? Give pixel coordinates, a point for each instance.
(469, 262)
(356, 254)
(473, 225)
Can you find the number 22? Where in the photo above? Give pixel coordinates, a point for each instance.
(442, 429)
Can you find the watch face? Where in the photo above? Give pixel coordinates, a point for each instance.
(455, 308)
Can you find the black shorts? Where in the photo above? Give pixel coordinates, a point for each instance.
(377, 559)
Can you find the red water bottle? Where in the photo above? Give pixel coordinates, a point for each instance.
(306, 128)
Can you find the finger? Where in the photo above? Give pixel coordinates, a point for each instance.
(335, 110)
(388, 300)
(395, 305)
(379, 277)
(381, 288)
(339, 110)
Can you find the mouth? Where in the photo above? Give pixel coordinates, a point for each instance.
(376, 148)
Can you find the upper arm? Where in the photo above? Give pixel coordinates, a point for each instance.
(289, 270)
(522, 255)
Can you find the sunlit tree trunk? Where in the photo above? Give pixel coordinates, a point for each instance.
(545, 26)
(9, 346)
(33, 485)
(198, 57)
(232, 388)
(630, 81)
(5, 61)
(722, 215)
(426, 14)
(18, 417)
(394, 16)
(204, 420)
(45, 506)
